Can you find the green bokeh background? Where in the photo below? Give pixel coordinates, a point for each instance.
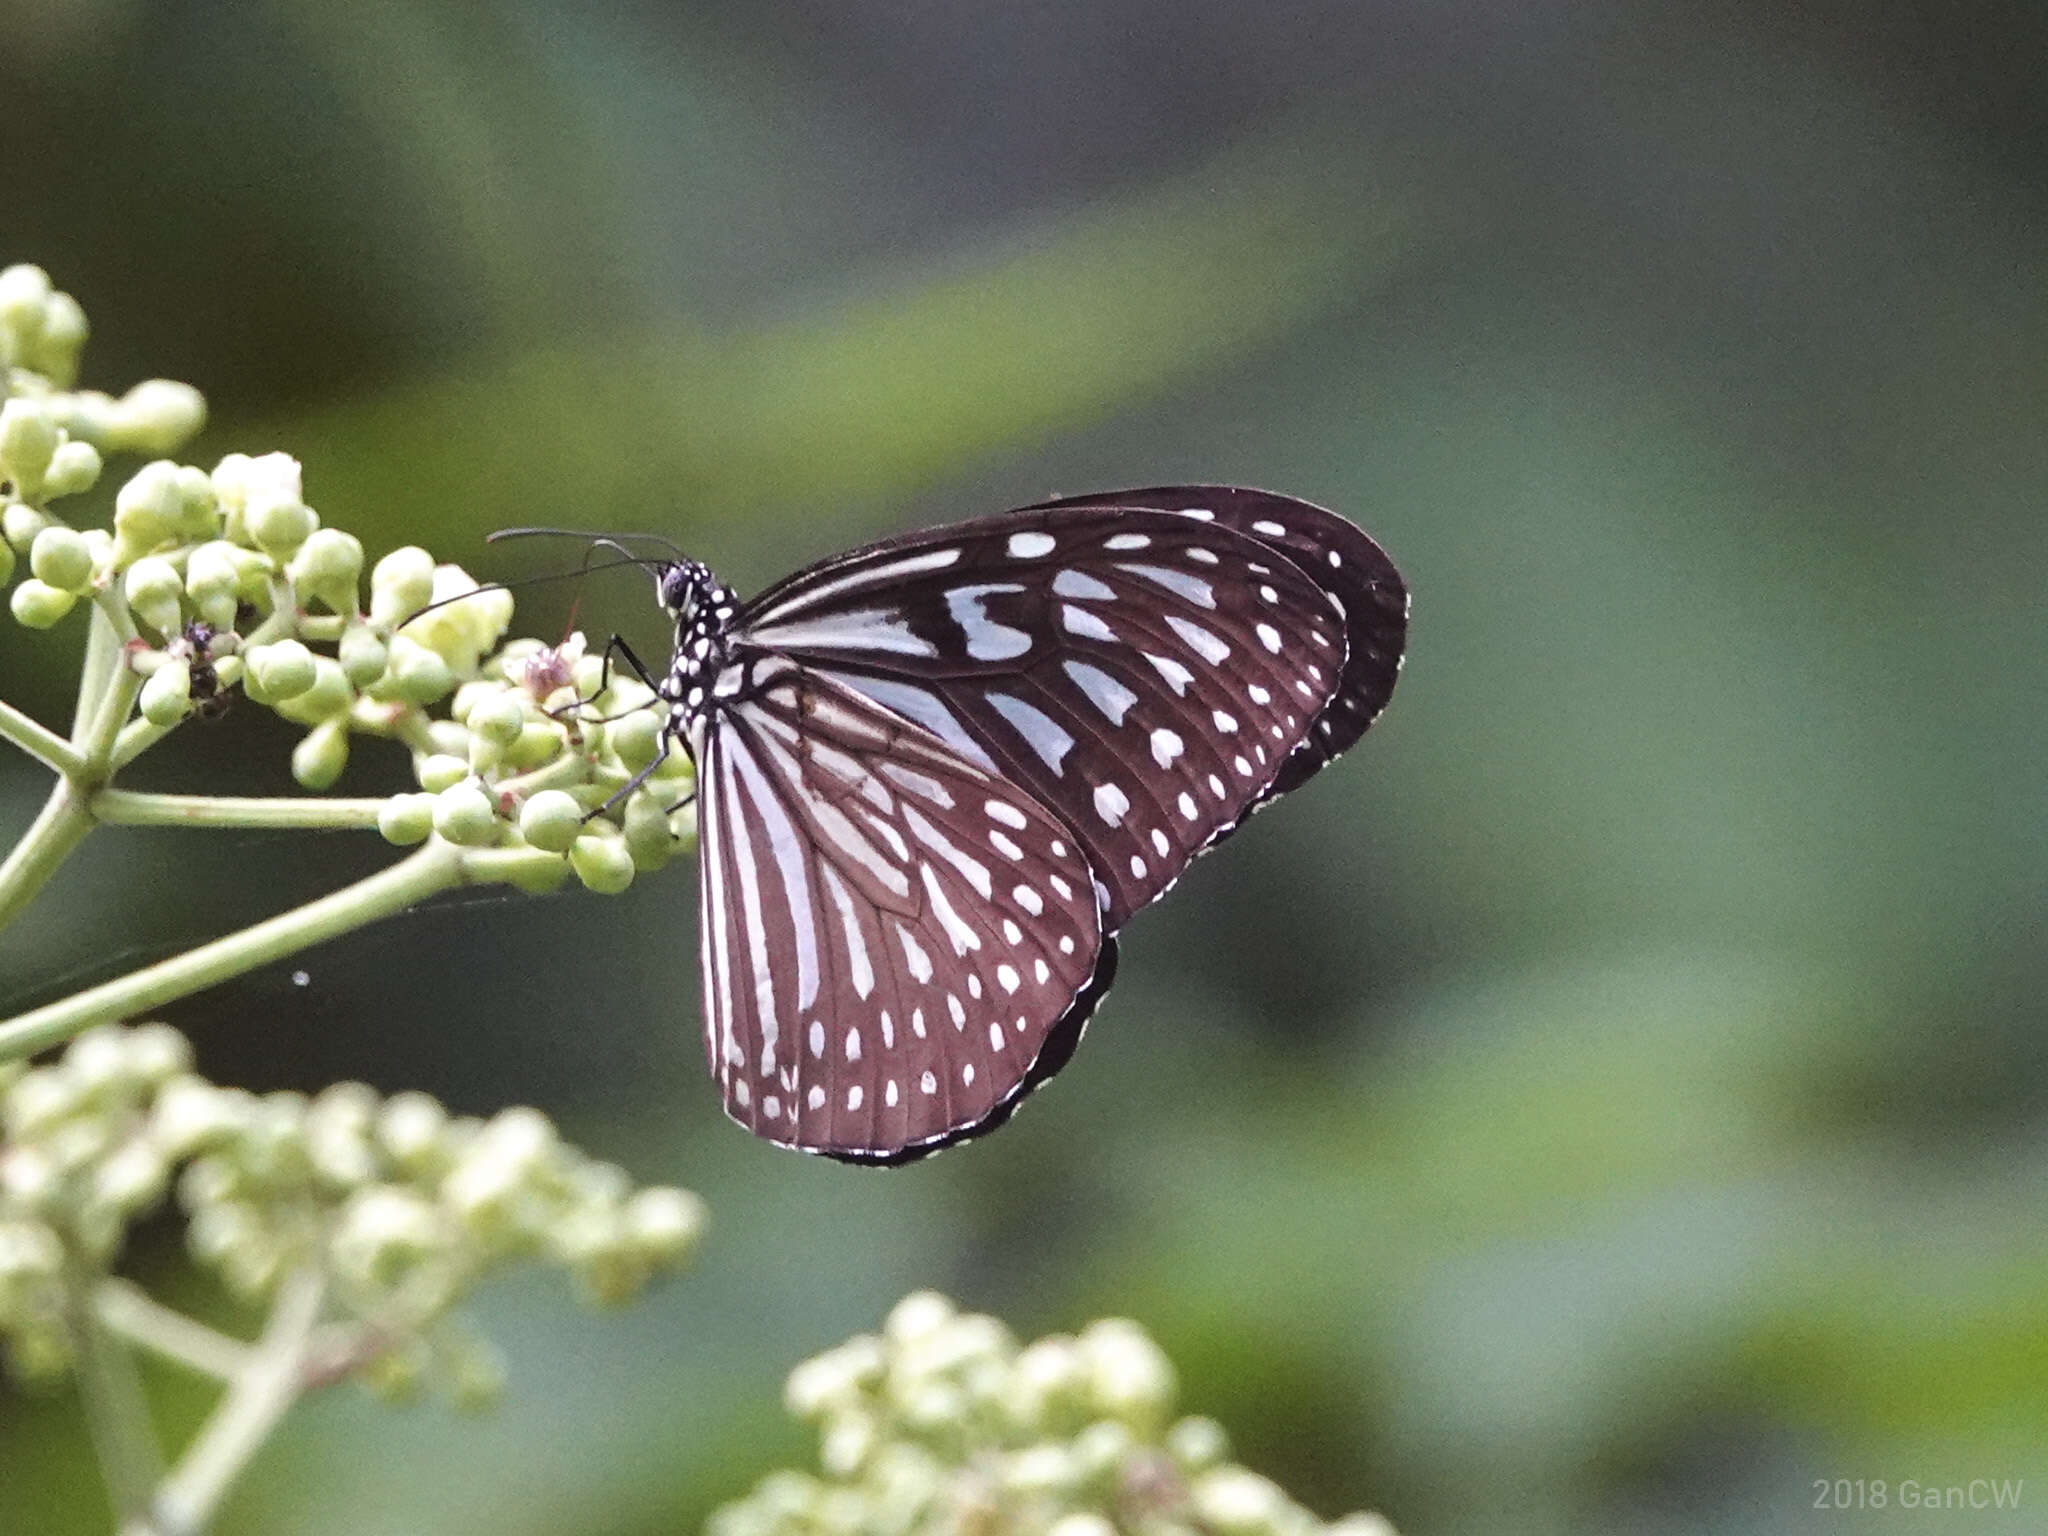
(1611, 1100)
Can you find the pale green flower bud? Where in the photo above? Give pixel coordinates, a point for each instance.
(6, 562)
(1130, 1377)
(917, 1316)
(665, 1225)
(75, 467)
(463, 815)
(31, 1179)
(1196, 1443)
(648, 837)
(410, 1128)
(416, 675)
(602, 862)
(1081, 1523)
(279, 671)
(63, 339)
(363, 654)
(439, 771)
(319, 758)
(157, 1053)
(24, 292)
(278, 526)
(498, 719)
(1235, 1502)
(328, 699)
(153, 588)
(160, 416)
(29, 438)
(167, 694)
(212, 572)
(395, 1373)
(62, 558)
(406, 819)
(586, 672)
(38, 605)
(401, 584)
(191, 1115)
(1099, 1452)
(327, 568)
(551, 820)
(132, 1180)
(38, 1102)
(848, 1440)
(21, 523)
(1361, 1524)
(198, 506)
(383, 1233)
(635, 739)
(461, 631)
(147, 510)
(30, 1255)
(538, 743)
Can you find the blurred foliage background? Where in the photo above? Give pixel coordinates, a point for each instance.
(1612, 1099)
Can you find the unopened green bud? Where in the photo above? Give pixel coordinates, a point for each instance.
(132, 1179)
(157, 1053)
(499, 719)
(1235, 1502)
(21, 523)
(647, 833)
(29, 437)
(476, 1374)
(1130, 1377)
(61, 557)
(463, 814)
(363, 655)
(280, 526)
(635, 739)
(409, 1128)
(38, 605)
(665, 1225)
(438, 770)
(148, 509)
(327, 567)
(415, 675)
(401, 584)
(153, 589)
(63, 339)
(551, 820)
(74, 467)
(160, 416)
(328, 698)
(395, 1373)
(279, 671)
(538, 743)
(317, 761)
(602, 862)
(406, 819)
(24, 292)
(167, 694)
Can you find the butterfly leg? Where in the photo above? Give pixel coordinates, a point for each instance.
(637, 780)
(616, 646)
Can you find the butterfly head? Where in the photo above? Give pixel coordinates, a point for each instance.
(702, 607)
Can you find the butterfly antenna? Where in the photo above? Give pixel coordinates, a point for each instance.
(616, 540)
(527, 581)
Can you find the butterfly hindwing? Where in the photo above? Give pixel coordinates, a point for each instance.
(897, 942)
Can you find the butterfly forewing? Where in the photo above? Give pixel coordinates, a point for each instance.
(897, 941)
(1342, 559)
(1147, 673)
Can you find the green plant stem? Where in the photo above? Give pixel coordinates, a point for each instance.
(435, 867)
(39, 742)
(125, 1309)
(134, 808)
(116, 1412)
(102, 644)
(259, 1395)
(58, 828)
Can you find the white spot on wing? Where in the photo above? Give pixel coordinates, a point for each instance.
(1127, 541)
(1029, 899)
(1079, 584)
(1207, 646)
(1029, 546)
(1111, 803)
(1193, 588)
(1040, 731)
(1081, 622)
(1166, 746)
(986, 639)
(1269, 637)
(1176, 675)
(1104, 691)
(1006, 813)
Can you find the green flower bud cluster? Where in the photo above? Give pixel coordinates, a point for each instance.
(401, 1206)
(942, 1423)
(228, 578)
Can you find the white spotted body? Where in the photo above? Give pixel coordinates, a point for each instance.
(938, 774)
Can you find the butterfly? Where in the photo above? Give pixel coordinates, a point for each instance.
(938, 774)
